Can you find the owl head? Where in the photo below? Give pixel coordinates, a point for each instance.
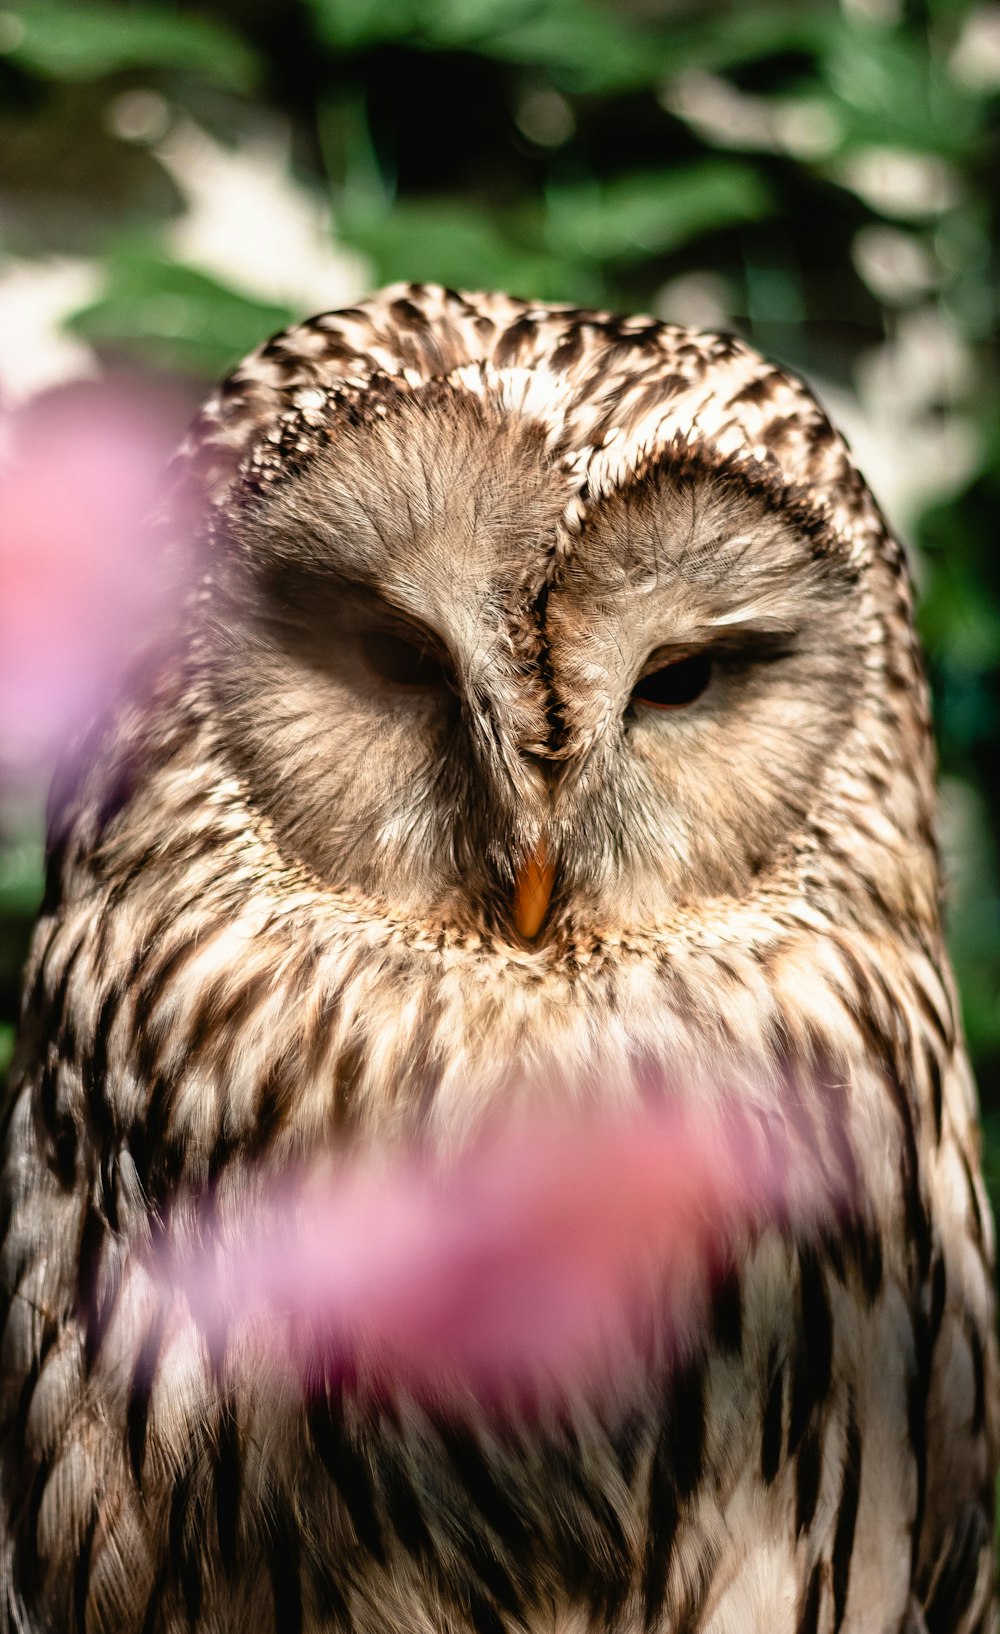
(543, 625)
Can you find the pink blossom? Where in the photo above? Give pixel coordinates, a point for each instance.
(81, 582)
(545, 1256)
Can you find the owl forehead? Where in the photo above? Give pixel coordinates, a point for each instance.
(434, 494)
(609, 391)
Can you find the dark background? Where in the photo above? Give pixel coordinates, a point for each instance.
(177, 181)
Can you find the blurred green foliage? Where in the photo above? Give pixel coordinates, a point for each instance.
(89, 42)
(819, 176)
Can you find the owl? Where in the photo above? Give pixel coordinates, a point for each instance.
(544, 706)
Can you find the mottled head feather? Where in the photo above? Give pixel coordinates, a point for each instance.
(612, 392)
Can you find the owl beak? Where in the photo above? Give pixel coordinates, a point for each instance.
(533, 884)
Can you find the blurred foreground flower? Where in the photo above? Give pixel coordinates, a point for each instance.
(82, 584)
(547, 1257)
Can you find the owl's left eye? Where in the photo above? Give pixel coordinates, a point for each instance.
(402, 663)
(671, 686)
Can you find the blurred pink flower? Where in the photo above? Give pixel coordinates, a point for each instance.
(81, 582)
(548, 1255)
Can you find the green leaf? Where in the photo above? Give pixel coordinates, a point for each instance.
(891, 92)
(454, 242)
(172, 316)
(352, 25)
(22, 876)
(751, 34)
(654, 212)
(586, 47)
(973, 914)
(959, 617)
(86, 41)
(6, 1045)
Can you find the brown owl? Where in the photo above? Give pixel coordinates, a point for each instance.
(546, 704)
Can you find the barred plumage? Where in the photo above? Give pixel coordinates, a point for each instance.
(279, 914)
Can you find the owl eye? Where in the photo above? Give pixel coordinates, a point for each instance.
(674, 685)
(402, 663)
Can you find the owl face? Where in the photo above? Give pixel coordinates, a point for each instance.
(463, 691)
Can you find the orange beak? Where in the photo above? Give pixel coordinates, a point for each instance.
(533, 891)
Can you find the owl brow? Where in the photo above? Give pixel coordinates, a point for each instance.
(755, 632)
(304, 591)
(744, 621)
(760, 640)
